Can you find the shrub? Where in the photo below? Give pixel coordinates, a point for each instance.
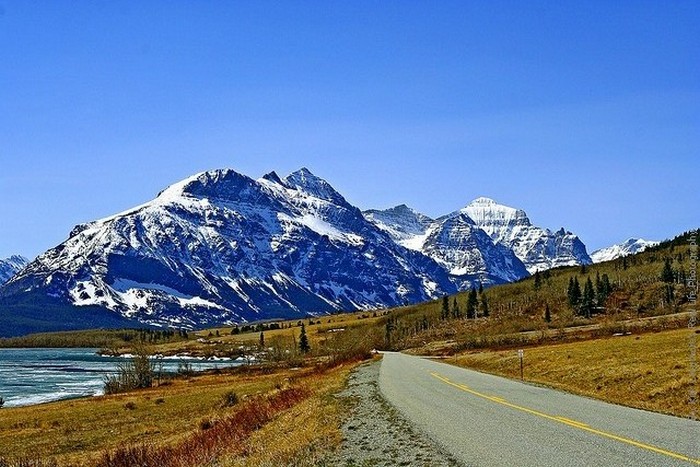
(130, 406)
(134, 374)
(2, 402)
(229, 399)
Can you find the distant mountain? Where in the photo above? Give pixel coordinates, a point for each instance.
(515, 246)
(628, 247)
(538, 248)
(220, 248)
(468, 253)
(11, 266)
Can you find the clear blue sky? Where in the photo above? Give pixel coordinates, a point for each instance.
(585, 114)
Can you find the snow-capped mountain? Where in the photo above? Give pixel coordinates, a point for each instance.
(483, 239)
(220, 247)
(11, 266)
(628, 247)
(538, 248)
(468, 253)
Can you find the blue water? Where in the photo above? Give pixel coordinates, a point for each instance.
(33, 376)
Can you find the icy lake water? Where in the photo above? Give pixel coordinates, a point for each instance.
(33, 376)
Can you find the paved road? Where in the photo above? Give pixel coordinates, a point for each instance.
(484, 420)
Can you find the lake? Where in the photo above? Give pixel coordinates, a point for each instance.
(33, 376)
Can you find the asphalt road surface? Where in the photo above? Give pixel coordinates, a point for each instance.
(485, 420)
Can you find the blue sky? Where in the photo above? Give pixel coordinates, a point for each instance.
(585, 114)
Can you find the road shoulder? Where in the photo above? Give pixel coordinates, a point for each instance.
(376, 434)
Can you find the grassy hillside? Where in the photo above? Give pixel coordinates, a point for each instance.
(638, 289)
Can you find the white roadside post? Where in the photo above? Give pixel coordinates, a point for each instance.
(520, 355)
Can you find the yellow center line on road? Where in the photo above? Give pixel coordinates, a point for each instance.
(569, 422)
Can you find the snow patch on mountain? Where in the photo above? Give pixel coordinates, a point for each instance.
(628, 247)
(405, 225)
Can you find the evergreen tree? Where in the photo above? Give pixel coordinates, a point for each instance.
(445, 310)
(262, 340)
(624, 263)
(484, 306)
(547, 313)
(472, 302)
(682, 276)
(304, 346)
(588, 298)
(574, 293)
(667, 272)
(603, 289)
(538, 281)
(456, 312)
(481, 288)
(583, 269)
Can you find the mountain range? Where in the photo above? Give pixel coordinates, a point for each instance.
(220, 247)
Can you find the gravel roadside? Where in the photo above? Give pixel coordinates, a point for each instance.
(376, 434)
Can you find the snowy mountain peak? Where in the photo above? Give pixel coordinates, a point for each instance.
(11, 266)
(306, 181)
(628, 247)
(489, 214)
(274, 178)
(221, 184)
(483, 201)
(538, 248)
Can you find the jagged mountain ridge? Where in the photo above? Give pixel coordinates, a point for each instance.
(220, 247)
(11, 266)
(521, 247)
(628, 247)
(537, 247)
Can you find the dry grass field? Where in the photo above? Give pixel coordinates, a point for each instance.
(649, 371)
(179, 417)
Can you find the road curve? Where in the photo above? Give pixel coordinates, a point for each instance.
(485, 420)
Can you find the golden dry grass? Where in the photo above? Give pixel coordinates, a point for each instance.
(304, 435)
(77, 432)
(648, 371)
